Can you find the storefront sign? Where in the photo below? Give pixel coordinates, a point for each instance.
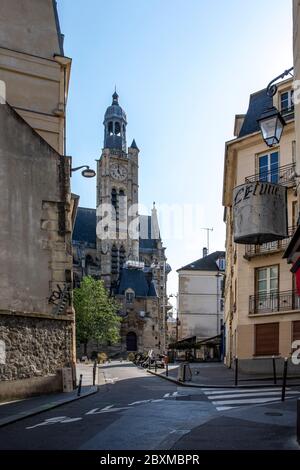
(259, 213)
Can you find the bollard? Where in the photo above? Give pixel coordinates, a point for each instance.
(155, 365)
(274, 370)
(167, 370)
(298, 421)
(79, 386)
(285, 367)
(184, 372)
(94, 373)
(236, 371)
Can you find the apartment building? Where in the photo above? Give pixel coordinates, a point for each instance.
(262, 310)
(200, 302)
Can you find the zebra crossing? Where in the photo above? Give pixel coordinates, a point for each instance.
(227, 399)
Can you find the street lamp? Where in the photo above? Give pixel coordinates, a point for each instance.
(178, 323)
(271, 125)
(271, 122)
(86, 173)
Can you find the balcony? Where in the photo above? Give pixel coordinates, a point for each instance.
(282, 175)
(288, 113)
(274, 302)
(268, 248)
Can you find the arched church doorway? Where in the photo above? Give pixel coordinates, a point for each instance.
(131, 342)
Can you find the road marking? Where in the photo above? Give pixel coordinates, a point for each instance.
(239, 390)
(175, 394)
(255, 390)
(55, 420)
(107, 409)
(244, 401)
(224, 408)
(241, 395)
(139, 402)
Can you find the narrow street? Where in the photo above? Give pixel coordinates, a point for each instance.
(135, 410)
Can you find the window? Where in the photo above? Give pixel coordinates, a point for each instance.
(110, 128)
(267, 281)
(114, 260)
(286, 101)
(267, 284)
(122, 206)
(294, 213)
(296, 331)
(268, 167)
(221, 264)
(129, 296)
(117, 128)
(122, 257)
(267, 339)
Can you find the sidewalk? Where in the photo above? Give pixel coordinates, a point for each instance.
(264, 427)
(216, 374)
(13, 411)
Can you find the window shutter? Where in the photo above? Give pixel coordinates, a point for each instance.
(267, 339)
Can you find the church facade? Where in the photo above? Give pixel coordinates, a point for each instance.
(121, 247)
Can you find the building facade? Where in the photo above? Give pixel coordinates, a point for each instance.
(262, 309)
(200, 298)
(121, 247)
(293, 250)
(37, 334)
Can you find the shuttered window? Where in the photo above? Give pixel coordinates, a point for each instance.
(267, 339)
(296, 330)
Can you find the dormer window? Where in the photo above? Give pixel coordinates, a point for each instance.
(286, 101)
(129, 296)
(221, 264)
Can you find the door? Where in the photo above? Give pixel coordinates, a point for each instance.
(131, 342)
(267, 289)
(269, 167)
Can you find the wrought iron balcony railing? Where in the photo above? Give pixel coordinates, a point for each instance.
(274, 302)
(270, 247)
(288, 113)
(283, 175)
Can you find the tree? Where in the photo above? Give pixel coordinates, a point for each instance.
(96, 313)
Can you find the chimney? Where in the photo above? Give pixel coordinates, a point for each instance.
(205, 252)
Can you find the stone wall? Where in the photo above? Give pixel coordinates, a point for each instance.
(34, 347)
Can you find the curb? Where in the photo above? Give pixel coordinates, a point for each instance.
(190, 384)
(43, 408)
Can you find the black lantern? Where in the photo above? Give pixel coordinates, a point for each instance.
(271, 125)
(86, 173)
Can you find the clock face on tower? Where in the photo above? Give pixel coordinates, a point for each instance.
(118, 172)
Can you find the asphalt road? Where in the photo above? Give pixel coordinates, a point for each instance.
(135, 410)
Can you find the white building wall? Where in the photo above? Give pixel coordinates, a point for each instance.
(199, 295)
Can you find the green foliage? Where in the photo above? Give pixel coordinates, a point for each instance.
(96, 313)
(131, 357)
(102, 357)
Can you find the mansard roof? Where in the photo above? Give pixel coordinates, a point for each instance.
(85, 229)
(85, 226)
(135, 279)
(208, 263)
(259, 102)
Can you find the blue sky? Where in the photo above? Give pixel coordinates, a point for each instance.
(183, 69)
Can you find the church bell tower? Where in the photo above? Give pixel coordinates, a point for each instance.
(117, 193)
